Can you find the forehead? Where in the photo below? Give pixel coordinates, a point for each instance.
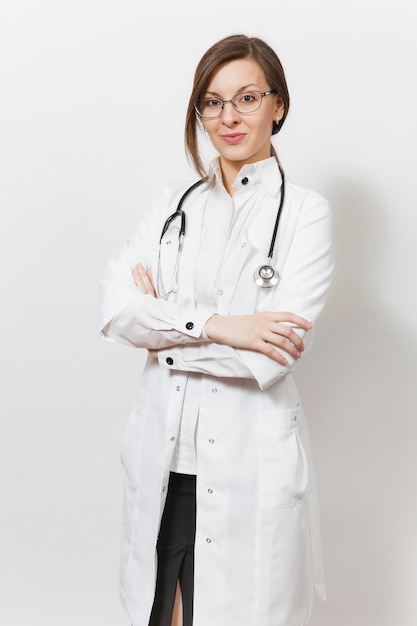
(236, 75)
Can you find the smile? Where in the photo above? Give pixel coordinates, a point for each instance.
(233, 138)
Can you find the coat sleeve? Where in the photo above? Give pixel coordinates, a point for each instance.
(303, 290)
(128, 316)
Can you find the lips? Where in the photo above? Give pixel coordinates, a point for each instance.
(233, 138)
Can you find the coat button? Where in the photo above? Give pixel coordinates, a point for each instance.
(178, 388)
(211, 440)
(245, 180)
(208, 540)
(220, 292)
(169, 360)
(214, 390)
(209, 490)
(189, 326)
(172, 438)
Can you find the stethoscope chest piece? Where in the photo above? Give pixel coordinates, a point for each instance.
(265, 276)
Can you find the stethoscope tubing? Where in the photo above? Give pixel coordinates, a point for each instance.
(265, 276)
(179, 212)
(278, 217)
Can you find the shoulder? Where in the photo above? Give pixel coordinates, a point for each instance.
(304, 194)
(164, 203)
(173, 191)
(307, 201)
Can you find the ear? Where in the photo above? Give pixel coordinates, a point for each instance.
(279, 110)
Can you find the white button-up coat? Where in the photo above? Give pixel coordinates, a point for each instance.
(257, 549)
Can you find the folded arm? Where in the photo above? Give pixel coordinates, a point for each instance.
(263, 345)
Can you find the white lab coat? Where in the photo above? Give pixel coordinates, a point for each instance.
(257, 550)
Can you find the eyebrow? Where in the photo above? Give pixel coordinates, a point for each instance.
(243, 88)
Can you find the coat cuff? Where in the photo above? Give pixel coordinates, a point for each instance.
(192, 323)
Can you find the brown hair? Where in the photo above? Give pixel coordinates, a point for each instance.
(229, 49)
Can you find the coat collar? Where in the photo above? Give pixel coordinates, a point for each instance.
(265, 172)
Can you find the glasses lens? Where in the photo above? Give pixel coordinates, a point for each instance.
(209, 107)
(247, 102)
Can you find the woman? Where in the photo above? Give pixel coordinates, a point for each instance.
(218, 424)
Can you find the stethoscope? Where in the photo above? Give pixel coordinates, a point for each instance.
(264, 276)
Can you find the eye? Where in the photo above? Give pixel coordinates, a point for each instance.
(211, 102)
(246, 98)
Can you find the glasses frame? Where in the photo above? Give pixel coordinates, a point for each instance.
(215, 117)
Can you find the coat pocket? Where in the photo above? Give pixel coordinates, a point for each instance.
(133, 436)
(283, 461)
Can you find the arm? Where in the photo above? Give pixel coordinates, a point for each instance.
(259, 332)
(138, 318)
(131, 314)
(304, 285)
(265, 349)
(303, 288)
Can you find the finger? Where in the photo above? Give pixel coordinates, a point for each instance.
(142, 279)
(292, 318)
(139, 268)
(289, 333)
(284, 344)
(137, 272)
(273, 354)
(148, 283)
(290, 349)
(270, 349)
(149, 275)
(285, 338)
(136, 277)
(140, 282)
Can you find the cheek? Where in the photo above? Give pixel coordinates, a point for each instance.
(262, 127)
(265, 130)
(212, 132)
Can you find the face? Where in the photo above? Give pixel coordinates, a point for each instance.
(242, 138)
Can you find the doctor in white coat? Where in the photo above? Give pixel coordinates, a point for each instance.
(216, 405)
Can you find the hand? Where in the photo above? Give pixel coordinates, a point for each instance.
(261, 332)
(143, 280)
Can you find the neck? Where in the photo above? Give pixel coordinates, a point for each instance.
(229, 170)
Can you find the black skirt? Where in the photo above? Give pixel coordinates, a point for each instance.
(175, 549)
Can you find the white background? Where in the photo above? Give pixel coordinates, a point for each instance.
(92, 102)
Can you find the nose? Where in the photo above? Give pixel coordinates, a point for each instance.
(229, 115)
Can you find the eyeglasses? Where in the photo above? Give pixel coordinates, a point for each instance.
(248, 102)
